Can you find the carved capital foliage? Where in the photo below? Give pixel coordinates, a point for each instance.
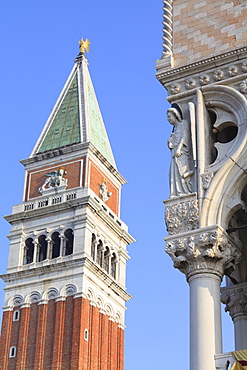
(203, 250)
(182, 217)
(235, 299)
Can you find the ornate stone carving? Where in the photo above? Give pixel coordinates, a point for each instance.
(104, 193)
(244, 67)
(243, 87)
(235, 300)
(175, 88)
(182, 217)
(204, 79)
(190, 83)
(55, 180)
(206, 179)
(209, 250)
(179, 143)
(218, 75)
(232, 71)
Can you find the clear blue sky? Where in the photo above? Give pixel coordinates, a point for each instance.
(38, 46)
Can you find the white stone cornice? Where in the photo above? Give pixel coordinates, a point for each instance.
(208, 250)
(203, 64)
(227, 68)
(35, 272)
(235, 299)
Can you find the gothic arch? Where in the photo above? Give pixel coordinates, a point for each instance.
(229, 170)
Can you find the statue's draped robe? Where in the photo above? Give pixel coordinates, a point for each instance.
(180, 166)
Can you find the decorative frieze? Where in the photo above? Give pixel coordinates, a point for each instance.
(203, 250)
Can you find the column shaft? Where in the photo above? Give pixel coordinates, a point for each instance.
(205, 321)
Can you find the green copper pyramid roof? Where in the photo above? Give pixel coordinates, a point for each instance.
(76, 116)
(65, 127)
(98, 135)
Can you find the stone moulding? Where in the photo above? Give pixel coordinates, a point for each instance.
(208, 249)
(218, 68)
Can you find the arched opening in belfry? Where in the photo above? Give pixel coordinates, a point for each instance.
(93, 246)
(28, 251)
(55, 245)
(99, 253)
(42, 248)
(237, 229)
(69, 237)
(106, 259)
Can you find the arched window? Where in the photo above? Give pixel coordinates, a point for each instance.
(12, 351)
(16, 315)
(113, 265)
(55, 245)
(106, 259)
(28, 251)
(93, 246)
(99, 253)
(42, 248)
(69, 242)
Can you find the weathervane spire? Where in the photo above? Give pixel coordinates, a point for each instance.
(84, 46)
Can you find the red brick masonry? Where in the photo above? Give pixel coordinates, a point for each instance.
(51, 336)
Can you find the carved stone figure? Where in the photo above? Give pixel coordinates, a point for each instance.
(55, 180)
(179, 144)
(104, 193)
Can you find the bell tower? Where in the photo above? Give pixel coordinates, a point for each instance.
(65, 292)
(204, 69)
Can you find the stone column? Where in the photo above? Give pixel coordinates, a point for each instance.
(205, 320)
(49, 242)
(235, 299)
(203, 255)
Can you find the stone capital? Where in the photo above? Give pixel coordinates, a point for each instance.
(205, 250)
(235, 299)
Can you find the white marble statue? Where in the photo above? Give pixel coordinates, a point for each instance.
(179, 144)
(104, 193)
